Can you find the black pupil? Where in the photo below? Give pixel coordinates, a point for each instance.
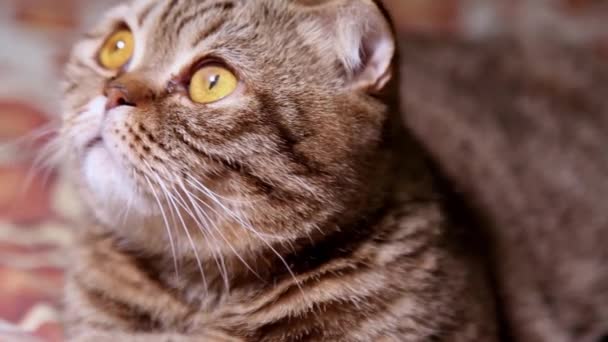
(213, 81)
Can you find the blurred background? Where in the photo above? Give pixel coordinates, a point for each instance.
(35, 37)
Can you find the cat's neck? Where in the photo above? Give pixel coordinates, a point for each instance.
(267, 264)
(222, 276)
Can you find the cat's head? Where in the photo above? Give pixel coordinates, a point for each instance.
(254, 119)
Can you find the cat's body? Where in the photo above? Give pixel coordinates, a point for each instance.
(404, 282)
(290, 207)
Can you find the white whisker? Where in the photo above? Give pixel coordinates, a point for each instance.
(47, 160)
(127, 209)
(182, 203)
(164, 216)
(248, 227)
(173, 205)
(218, 230)
(197, 185)
(26, 141)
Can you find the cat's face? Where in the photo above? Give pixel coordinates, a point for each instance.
(249, 118)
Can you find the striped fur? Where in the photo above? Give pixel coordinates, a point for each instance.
(294, 210)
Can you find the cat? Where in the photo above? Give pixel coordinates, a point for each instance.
(249, 180)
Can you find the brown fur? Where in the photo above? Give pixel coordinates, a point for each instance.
(282, 213)
(520, 128)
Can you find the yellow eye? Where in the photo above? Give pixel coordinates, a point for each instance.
(117, 50)
(212, 83)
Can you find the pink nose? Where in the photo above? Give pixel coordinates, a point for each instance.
(117, 95)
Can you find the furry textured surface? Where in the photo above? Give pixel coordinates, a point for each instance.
(520, 129)
(25, 257)
(295, 209)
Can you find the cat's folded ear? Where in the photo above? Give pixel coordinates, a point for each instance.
(357, 32)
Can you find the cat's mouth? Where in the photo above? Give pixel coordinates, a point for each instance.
(96, 141)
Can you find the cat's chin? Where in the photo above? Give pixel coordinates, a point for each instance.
(112, 195)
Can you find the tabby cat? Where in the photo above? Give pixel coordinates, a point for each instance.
(249, 180)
